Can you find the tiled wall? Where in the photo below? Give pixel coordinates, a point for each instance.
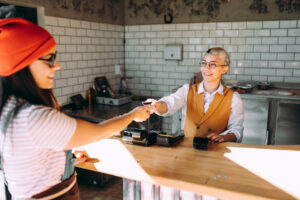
(260, 51)
(85, 50)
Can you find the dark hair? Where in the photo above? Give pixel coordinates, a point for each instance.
(22, 85)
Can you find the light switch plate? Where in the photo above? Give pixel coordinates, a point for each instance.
(173, 52)
(117, 69)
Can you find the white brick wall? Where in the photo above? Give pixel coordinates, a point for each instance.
(85, 50)
(260, 50)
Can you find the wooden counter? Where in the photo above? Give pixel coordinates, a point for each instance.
(227, 170)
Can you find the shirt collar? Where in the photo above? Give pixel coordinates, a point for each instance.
(219, 90)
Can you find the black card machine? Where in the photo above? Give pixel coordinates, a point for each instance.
(200, 142)
(139, 137)
(164, 139)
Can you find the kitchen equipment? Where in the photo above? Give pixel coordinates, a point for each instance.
(138, 134)
(139, 137)
(167, 140)
(247, 88)
(264, 85)
(105, 95)
(120, 100)
(124, 86)
(240, 87)
(103, 88)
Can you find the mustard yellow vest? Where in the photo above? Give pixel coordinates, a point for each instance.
(215, 120)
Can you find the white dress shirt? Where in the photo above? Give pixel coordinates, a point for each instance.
(179, 99)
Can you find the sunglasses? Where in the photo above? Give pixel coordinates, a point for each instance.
(50, 60)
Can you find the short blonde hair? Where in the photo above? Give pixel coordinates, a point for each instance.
(221, 53)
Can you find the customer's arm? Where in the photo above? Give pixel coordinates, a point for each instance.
(86, 132)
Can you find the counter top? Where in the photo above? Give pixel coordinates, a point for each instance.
(226, 170)
(286, 91)
(100, 112)
(270, 94)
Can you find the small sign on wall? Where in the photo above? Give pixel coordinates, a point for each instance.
(173, 52)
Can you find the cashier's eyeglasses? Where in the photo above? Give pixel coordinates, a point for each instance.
(50, 60)
(211, 65)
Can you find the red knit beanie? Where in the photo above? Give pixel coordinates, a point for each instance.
(21, 43)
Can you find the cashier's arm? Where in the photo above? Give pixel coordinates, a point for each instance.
(161, 107)
(215, 138)
(170, 104)
(87, 132)
(234, 132)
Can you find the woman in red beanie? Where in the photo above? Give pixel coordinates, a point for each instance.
(36, 138)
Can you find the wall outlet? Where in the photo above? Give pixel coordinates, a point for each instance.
(173, 52)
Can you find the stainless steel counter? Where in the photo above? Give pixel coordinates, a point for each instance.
(269, 94)
(100, 112)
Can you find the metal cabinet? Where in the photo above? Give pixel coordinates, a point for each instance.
(287, 127)
(271, 121)
(255, 120)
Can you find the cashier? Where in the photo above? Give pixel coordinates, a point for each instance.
(35, 137)
(209, 108)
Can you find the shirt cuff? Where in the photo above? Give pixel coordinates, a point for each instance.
(168, 108)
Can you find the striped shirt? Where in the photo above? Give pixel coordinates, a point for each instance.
(33, 153)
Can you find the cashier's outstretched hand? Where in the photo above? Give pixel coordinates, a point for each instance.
(156, 106)
(141, 113)
(215, 138)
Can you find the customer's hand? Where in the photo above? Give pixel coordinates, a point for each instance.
(215, 138)
(141, 113)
